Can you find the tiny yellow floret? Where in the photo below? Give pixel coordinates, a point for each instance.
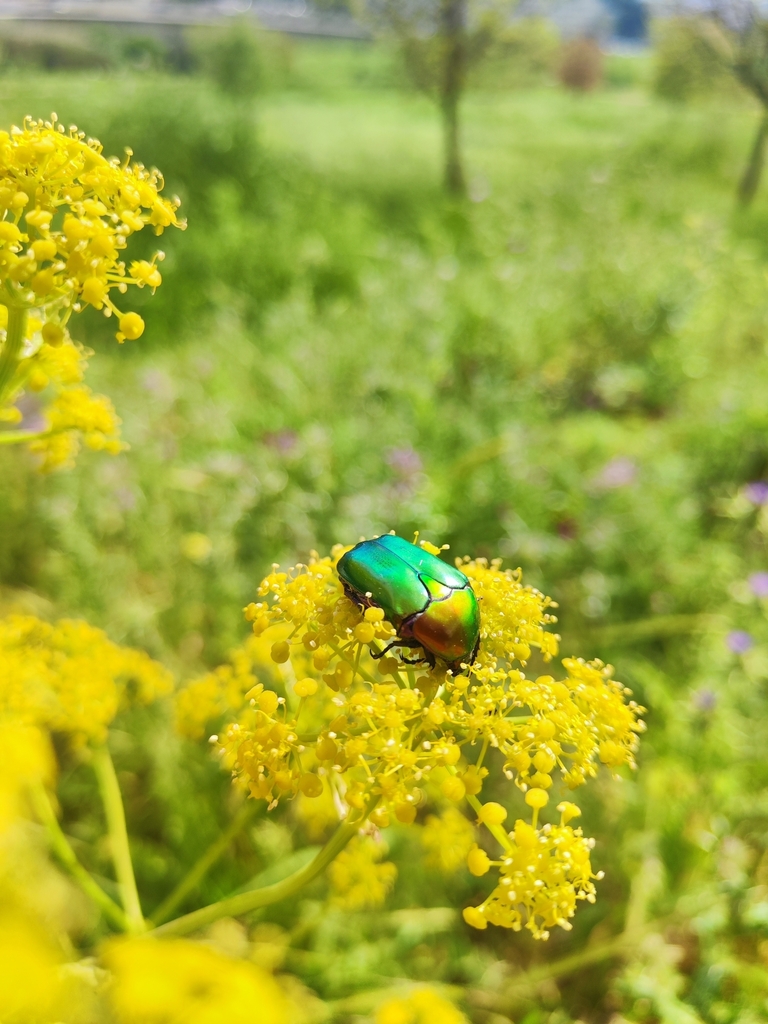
(568, 811)
(474, 918)
(364, 632)
(492, 814)
(305, 687)
(131, 326)
(478, 862)
(280, 652)
(453, 789)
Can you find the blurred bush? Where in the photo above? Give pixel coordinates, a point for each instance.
(581, 65)
(521, 54)
(626, 72)
(50, 51)
(687, 64)
(239, 59)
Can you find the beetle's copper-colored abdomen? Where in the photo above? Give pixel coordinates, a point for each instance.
(449, 627)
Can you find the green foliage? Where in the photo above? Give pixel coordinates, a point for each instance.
(687, 63)
(49, 51)
(569, 372)
(521, 54)
(233, 58)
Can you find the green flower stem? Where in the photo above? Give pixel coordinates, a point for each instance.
(268, 894)
(497, 831)
(14, 338)
(356, 668)
(118, 837)
(199, 870)
(65, 854)
(21, 436)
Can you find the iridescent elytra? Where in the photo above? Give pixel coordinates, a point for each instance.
(430, 603)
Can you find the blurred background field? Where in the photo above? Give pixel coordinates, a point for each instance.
(567, 369)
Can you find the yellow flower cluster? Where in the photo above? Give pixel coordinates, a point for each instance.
(177, 980)
(69, 677)
(447, 840)
(31, 984)
(217, 693)
(66, 215)
(357, 876)
(423, 1006)
(388, 727)
(306, 708)
(73, 412)
(544, 872)
(27, 758)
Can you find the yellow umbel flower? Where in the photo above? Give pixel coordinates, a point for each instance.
(357, 876)
(305, 707)
(27, 759)
(31, 984)
(424, 1006)
(66, 215)
(208, 697)
(69, 677)
(447, 840)
(543, 874)
(157, 982)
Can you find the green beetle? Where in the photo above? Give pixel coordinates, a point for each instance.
(430, 604)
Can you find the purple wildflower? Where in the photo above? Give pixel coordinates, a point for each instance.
(739, 641)
(618, 472)
(757, 492)
(758, 584)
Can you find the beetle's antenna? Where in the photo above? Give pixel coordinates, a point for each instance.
(416, 536)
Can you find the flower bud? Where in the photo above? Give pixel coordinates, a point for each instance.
(474, 918)
(131, 326)
(453, 789)
(280, 652)
(492, 814)
(478, 862)
(364, 632)
(53, 334)
(267, 702)
(310, 785)
(305, 687)
(405, 813)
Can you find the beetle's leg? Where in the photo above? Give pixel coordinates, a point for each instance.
(380, 654)
(398, 642)
(427, 657)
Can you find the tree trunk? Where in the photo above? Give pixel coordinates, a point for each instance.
(453, 17)
(754, 169)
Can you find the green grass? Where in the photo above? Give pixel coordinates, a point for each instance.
(569, 372)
